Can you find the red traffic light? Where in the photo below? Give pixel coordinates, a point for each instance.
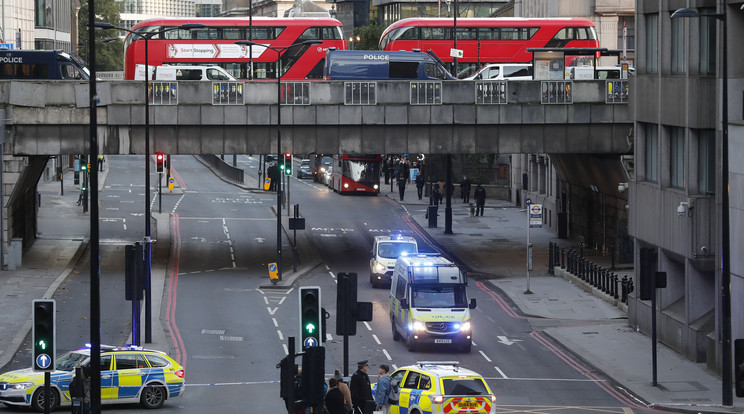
(289, 154)
(160, 167)
(160, 157)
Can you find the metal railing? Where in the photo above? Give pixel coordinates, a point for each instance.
(426, 93)
(602, 279)
(556, 92)
(163, 93)
(295, 93)
(228, 93)
(491, 92)
(360, 93)
(617, 91)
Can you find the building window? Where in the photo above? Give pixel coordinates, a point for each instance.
(677, 157)
(652, 47)
(707, 161)
(678, 46)
(707, 42)
(652, 152)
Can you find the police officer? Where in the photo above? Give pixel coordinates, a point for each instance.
(480, 199)
(361, 390)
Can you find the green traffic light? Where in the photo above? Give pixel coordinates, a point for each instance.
(42, 344)
(310, 327)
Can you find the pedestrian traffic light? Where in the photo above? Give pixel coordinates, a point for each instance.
(43, 335)
(313, 375)
(739, 367)
(310, 317)
(160, 162)
(288, 163)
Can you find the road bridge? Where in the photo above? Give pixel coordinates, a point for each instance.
(49, 118)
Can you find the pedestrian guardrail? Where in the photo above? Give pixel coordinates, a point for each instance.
(603, 280)
(426, 93)
(491, 92)
(295, 93)
(163, 93)
(360, 93)
(556, 92)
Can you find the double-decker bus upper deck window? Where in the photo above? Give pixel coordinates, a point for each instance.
(436, 33)
(206, 33)
(266, 33)
(311, 33)
(233, 33)
(178, 34)
(330, 33)
(406, 33)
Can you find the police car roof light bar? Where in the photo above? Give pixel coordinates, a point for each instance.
(453, 363)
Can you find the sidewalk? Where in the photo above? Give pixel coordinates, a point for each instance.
(494, 246)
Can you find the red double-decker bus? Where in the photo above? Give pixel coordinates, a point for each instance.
(215, 45)
(488, 40)
(356, 173)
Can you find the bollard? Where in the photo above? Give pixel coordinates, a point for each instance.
(550, 258)
(604, 281)
(563, 258)
(614, 286)
(624, 295)
(569, 261)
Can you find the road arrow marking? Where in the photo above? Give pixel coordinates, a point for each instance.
(506, 341)
(272, 311)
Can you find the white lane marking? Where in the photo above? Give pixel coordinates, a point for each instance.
(271, 311)
(329, 337)
(280, 302)
(276, 324)
(281, 337)
(369, 328)
(395, 367)
(266, 300)
(501, 372)
(376, 340)
(485, 356)
(332, 275)
(286, 350)
(213, 331)
(384, 351)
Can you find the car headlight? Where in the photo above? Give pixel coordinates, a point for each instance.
(379, 267)
(418, 326)
(465, 327)
(21, 385)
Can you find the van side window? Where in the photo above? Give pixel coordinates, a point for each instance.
(510, 71)
(400, 288)
(433, 71)
(403, 70)
(69, 71)
(214, 74)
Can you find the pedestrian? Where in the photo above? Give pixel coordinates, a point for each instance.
(101, 160)
(401, 187)
(420, 182)
(334, 398)
(361, 390)
(480, 199)
(386, 168)
(465, 189)
(344, 390)
(436, 196)
(274, 176)
(382, 394)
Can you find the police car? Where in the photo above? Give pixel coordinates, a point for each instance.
(439, 387)
(129, 374)
(385, 251)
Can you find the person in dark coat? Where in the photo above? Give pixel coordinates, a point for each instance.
(401, 187)
(334, 399)
(480, 199)
(436, 196)
(386, 168)
(420, 182)
(465, 189)
(361, 389)
(274, 174)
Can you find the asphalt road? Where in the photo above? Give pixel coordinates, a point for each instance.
(230, 334)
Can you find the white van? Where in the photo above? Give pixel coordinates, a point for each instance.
(503, 71)
(183, 73)
(385, 252)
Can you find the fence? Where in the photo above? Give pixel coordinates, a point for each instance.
(596, 276)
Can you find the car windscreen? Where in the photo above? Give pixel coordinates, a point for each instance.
(395, 250)
(68, 361)
(439, 297)
(464, 386)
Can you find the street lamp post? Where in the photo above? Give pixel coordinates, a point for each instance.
(146, 36)
(726, 360)
(279, 151)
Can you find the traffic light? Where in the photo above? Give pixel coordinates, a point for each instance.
(313, 375)
(160, 162)
(287, 372)
(739, 367)
(346, 299)
(287, 164)
(43, 335)
(310, 317)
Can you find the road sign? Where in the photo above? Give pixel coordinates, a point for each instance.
(170, 183)
(43, 361)
(456, 53)
(267, 184)
(310, 342)
(528, 201)
(273, 272)
(535, 215)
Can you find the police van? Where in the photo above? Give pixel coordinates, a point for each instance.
(385, 252)
(362, 65)
(41, 64)
(439, 387)
(183, 73)
(429, 302)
